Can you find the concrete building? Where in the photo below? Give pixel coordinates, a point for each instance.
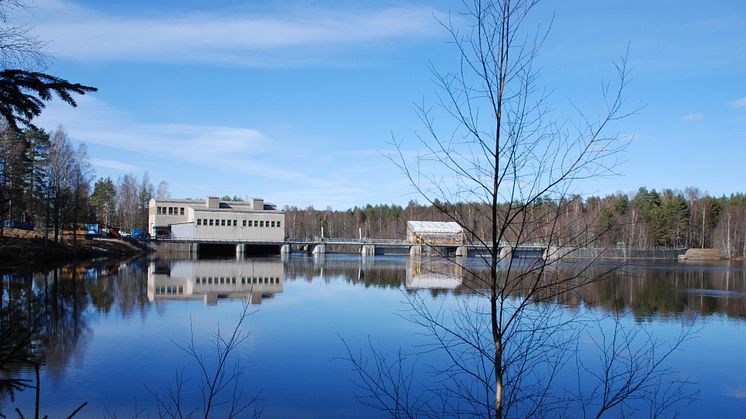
(214, 220)
(434, 232)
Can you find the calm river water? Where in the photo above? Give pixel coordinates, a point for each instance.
(110, 333)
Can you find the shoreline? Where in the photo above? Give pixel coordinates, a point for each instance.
(21, 254)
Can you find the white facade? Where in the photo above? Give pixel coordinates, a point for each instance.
(215, 220)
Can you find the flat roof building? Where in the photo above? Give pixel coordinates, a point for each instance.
(214, 220)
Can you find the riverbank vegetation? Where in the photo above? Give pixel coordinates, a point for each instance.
(647, 218)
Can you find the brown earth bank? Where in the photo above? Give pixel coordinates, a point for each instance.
(30, 252)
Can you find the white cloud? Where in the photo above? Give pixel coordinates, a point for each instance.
(239, 38)
(245, 158)
(697, 116)
(233, 148)
(739, 103)
(115, 164)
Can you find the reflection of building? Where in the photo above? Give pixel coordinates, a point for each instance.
(211, 280)
(212, 219)
(435, 232)
(433, 274)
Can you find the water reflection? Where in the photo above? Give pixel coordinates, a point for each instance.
(434, 274)
(212, 280)
(53, 316)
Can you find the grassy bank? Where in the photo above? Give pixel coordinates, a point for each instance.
(23, 251)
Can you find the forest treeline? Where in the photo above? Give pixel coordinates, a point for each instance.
(644, 219)
(47, 183)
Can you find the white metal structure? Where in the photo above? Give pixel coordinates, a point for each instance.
(435, 232)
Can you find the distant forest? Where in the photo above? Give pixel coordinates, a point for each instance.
(44, 181)
(647, 218)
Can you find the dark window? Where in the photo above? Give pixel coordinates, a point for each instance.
(244, 223)
(181, 211)
(199, 221)
(278, 224)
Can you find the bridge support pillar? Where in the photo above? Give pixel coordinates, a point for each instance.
(415, 250)
(285, 249)
(319, 249)
(368, 250)
(240, 251)
(462, 251)
(194, 250)
(551, 253)
(506, 252)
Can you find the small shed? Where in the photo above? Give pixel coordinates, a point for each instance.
(435, 232)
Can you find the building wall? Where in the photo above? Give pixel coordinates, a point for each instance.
(262, 226)
(203, 220)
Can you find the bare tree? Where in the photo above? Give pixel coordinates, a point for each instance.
(163, 191)
(219, 379)
(493, 161)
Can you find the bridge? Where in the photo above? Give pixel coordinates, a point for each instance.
(365, 247)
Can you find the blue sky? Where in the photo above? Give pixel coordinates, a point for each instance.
(297, 102)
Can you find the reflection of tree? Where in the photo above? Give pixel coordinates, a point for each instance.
(42, 322)
(43, 317)
(646, 292)
(121, 285)
(663, 292)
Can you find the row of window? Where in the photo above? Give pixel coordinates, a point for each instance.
(170, 290)
(244, 280)
(170, 210)
(234, 223)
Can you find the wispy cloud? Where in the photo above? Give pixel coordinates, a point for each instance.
(235, 159)
(242, 150)
(115, 164)
(227, 37)
(697, 116)
(739, 103)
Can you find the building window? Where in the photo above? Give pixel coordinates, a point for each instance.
(222, 222)
(261, 223)
(181, 211)
(244, 223)
(210, 221)
(199, 221)
(170, 210)
(256, 223)
(235, 223)
(278, 224)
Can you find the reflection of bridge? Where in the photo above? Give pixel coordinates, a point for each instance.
(365, 247)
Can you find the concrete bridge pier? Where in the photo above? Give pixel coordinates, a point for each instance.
(462, 251)
(506, 252)
(415, 250)
(240, 251)
(551, 253)
(368, 250)
(319, 249)
(194, 250)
